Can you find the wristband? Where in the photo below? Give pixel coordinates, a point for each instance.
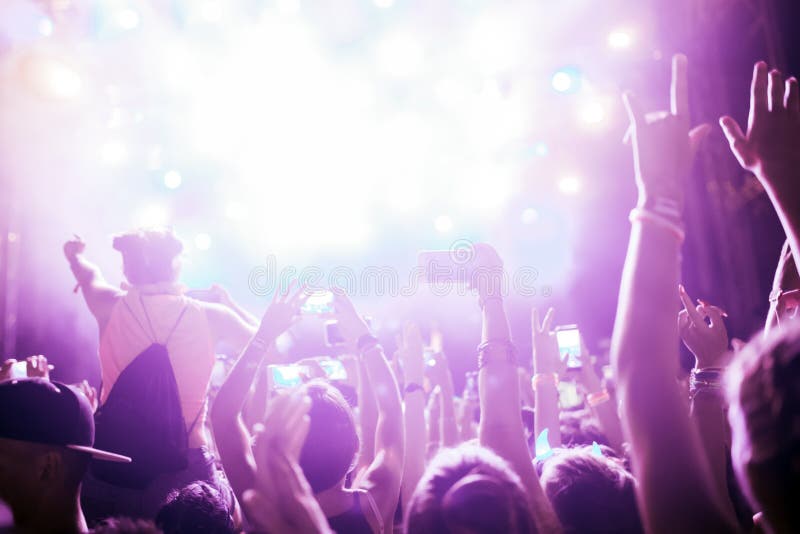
(510, 350)
(549, 378)
(707, 380)
(597, 398)
(643, 215)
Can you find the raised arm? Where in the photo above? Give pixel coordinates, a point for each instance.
(709, 344)
(769, 149)
(675, 489)
(412, 361)
(440, 376)
(231, 435)
(384, 475)
(99, 295)
(546, 369)
(498, 385)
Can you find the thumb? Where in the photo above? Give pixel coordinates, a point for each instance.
(696, 137)
(736, 139)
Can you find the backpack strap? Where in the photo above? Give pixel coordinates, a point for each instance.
(150, 324)
(138, 321)
(175, 326)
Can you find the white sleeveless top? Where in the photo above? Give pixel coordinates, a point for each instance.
(190, 347)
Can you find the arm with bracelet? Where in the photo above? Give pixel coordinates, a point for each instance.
(709, 344)
(547, 367)
(231, 435)
(675, 489)
(599, 402)
(501, 426)
(412, 361)
(383, 477)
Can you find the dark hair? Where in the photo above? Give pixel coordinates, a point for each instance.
(591, 493)
(149, 255)
(469, 488)
(580, 427)
(125, 525)
(196, 508)
(332, 443)
(763, 386)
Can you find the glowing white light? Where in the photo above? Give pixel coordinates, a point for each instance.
(570, 185)
(562, 81)
(211, 11)
(400, 55)
(56, 78)
(173, 179)
(202, 241)
(289, 7)
(530, 216)
(236, 211)
(153, 215)
(495, 43)
(45, 27)
(384, 4)
(541, 149)
(593, 112)
(126, 19)
(443, 224)
(114, 152)
(620, 39)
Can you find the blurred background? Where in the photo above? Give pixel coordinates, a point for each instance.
(354, 133)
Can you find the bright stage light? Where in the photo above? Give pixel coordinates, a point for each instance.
(495, 43)
(289, 7)
(530, 216)
(153, 215)
(620, 39)
(384, 4)
(211, 11)
(236, 211)
(172, 179)
(202, 241)
(566, 80)
(114, 152)
(400, 55)
(592, 112)
(443, 224)
(570, 185)
(126, 19)
(45, 27)
(52, 77)
(541, 149)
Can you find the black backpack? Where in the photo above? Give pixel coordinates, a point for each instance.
(142, 418)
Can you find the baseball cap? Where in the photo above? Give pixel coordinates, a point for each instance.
(41, 411)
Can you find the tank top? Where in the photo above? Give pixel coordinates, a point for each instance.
(353, 521)
(191, 347)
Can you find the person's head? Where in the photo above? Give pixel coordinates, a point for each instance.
(469, 489)
(580, 427)
(46, 436)
(198, 508)
(763, 388)
(591, 493)
(332, 443)
(149, 256)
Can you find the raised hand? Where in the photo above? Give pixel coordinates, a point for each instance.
(663, 144)
(89, 392)
(283, 312)
(73, 247)
(282, 500)
(546, 358)
(351, 324)
(708, 342)
(769, 149)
